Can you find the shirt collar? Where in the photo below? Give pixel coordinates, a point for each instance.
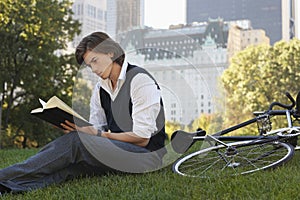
(122, 75)
(106, 84)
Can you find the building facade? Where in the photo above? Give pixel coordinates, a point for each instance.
(92, 16)
(124, 15)
(241, 35)
(187, 62)
(290, 19)
(263, 14)
(111, 16)
(177, 41)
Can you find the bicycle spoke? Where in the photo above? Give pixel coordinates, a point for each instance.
(238, 158)
(204, 165)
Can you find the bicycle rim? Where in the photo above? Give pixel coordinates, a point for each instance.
(248, 157)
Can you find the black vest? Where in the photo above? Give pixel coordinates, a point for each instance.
(118, 112)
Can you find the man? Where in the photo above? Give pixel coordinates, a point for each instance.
(127, 101)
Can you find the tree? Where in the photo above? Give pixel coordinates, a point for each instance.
(260, 75)
(171, 127)
(32, 36)
(211, 123)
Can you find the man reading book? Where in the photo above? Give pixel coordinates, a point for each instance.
(127, 132)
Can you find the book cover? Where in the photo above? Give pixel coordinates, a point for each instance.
(55, 111)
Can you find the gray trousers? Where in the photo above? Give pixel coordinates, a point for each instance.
(73, 155)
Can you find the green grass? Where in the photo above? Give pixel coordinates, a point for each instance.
(281, 183)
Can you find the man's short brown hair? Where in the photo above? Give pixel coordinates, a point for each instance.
(99, 42)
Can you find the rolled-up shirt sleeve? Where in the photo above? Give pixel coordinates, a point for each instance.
(145, 97)
(97, 114)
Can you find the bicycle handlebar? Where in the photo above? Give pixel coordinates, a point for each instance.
(289, 107)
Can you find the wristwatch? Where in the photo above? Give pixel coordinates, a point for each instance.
(99, 133)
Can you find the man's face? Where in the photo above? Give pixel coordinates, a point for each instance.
(100, 63)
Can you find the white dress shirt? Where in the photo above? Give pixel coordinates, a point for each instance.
(145, 102)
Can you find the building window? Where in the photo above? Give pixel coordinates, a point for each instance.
(100, 14)
(91, 11)
(79, 9)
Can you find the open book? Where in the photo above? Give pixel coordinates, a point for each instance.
(55, 111)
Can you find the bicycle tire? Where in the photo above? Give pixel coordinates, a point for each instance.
(249, 157)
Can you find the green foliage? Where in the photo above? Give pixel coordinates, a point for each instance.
(211, 123)
(32, 35)
(81, 94)
(259, 75)
(171, 127)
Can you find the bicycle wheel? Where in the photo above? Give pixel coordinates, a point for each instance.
(241, 157)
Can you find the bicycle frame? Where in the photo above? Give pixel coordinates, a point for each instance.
(220, 135)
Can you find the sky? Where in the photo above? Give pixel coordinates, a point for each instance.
(162, 13)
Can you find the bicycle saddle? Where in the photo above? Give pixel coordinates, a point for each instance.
(181, 141)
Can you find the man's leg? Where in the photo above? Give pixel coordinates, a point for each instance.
(76, 154)
(122, 156)
(71, 172)
(60, 160)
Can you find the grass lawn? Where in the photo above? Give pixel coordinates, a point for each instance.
(281, 183)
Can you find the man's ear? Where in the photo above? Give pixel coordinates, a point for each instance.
(111, 54)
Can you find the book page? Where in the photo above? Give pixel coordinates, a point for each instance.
(43, 103)
(37, 110)
(56, 102)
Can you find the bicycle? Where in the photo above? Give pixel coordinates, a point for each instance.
(238, 155)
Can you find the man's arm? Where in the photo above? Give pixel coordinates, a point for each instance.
(129, 137)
